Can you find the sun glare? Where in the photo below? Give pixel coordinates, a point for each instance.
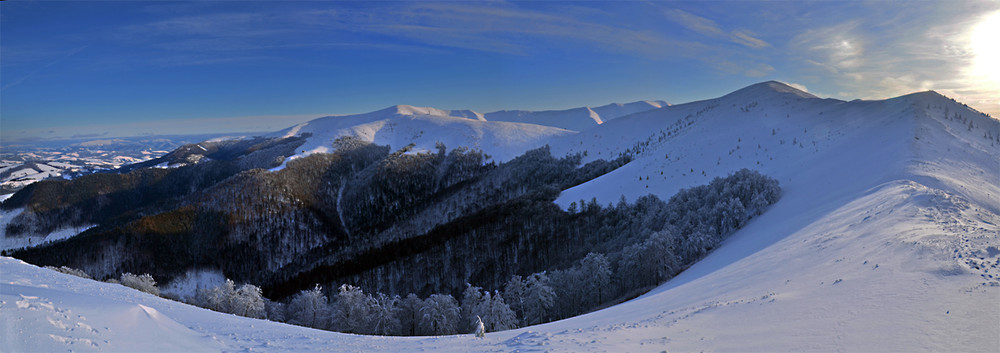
(986, 46)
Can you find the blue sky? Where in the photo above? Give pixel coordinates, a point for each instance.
(127, 68)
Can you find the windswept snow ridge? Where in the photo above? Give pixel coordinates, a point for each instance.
(576, 119)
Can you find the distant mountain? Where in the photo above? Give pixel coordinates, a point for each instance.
(24, 163)
(401, 125)
(503, 135)
(576, 119)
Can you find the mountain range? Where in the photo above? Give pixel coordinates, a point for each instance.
(885, 237)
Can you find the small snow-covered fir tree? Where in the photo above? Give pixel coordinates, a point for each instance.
(480, 328)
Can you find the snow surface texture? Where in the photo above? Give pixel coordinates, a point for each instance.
(885, 240)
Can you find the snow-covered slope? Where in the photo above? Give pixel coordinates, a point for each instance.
(886, 239)
(503, 134)
(9, 243)
(401, 125)
(576, 119)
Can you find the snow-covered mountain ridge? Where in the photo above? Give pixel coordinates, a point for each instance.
(401, 125)
(503, 134)
(885, 239)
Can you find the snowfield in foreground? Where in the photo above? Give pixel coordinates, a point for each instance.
(886, 239)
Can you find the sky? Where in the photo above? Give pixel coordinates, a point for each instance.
(75, 69)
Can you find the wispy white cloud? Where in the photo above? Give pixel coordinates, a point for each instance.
(508, 29)
(900, 52)
(495, 27)
(709, 28)
(748, 38)
(695, 23)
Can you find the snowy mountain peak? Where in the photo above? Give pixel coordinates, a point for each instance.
(403, 109)
(409, 110)
(930, 96)
(770, 88)
(645, 105)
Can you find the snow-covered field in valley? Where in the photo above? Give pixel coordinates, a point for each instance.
(886, 239)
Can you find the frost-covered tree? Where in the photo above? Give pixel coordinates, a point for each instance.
(70, 271)
(142, 282)
(409, 314)
(597, 276)
(249, 302)
(309, 308)
(495, 314)
(538, 298)
(382, 317)
(275, 311)
(218, 298)
(440, 315)
(488, 309)
(472, 301)
(514, 294)
(246, 300)
(350, 310)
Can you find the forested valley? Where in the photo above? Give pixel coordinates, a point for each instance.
(380, 241)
